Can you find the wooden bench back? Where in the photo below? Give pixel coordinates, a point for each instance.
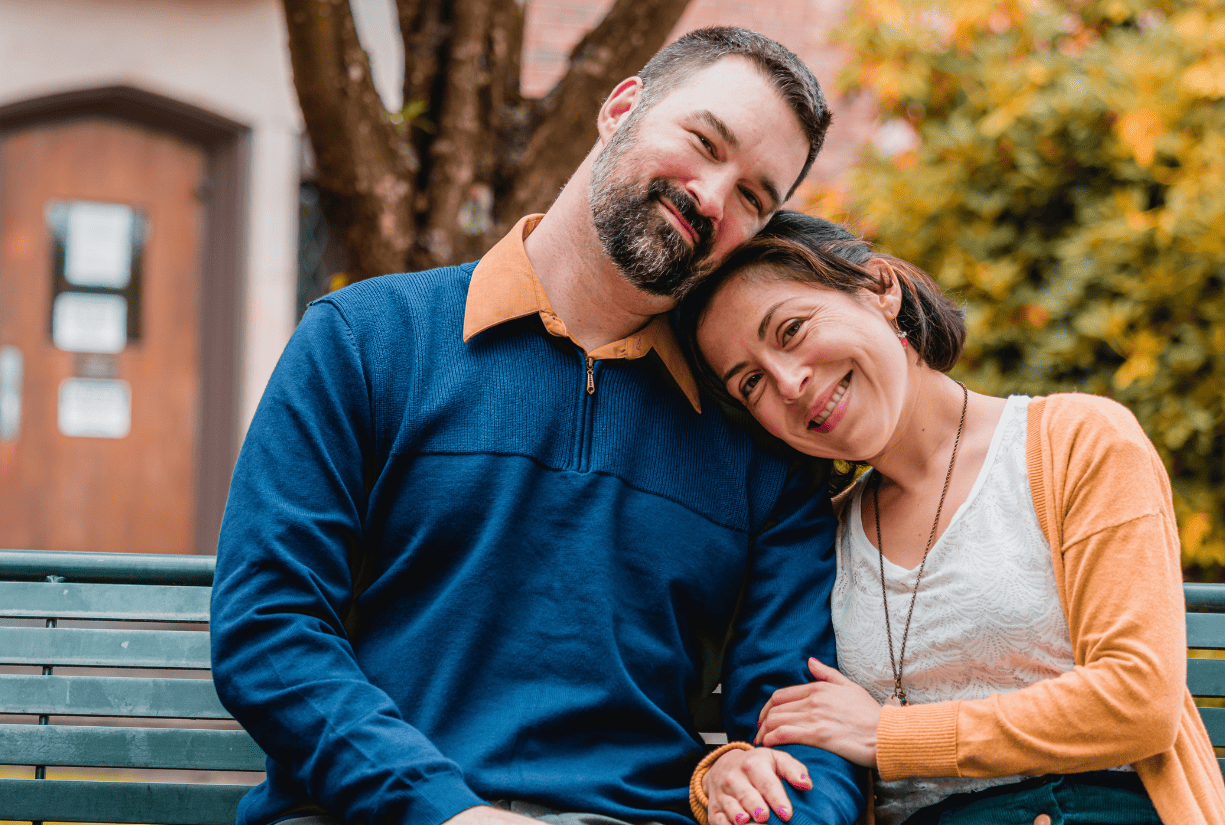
(1206, 672)
(135, 663)
(131, 674)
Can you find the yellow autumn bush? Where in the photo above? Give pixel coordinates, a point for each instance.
(1060, 168)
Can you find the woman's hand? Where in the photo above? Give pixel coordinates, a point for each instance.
(832, 713)
(744, 786)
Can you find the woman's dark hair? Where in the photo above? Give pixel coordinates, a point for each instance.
(813, 251)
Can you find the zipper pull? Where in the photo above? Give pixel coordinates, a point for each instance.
(590, 376)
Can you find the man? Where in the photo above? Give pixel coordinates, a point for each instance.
(480, 546)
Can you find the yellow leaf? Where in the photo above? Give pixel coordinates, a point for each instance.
(1206, 78)
(1139, 130)
(1036, 315)
(1195, 530)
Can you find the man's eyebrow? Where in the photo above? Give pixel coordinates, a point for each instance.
(729, 137)
(715, 122)
(772, 193)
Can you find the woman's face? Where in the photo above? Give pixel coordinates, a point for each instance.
(821, 369)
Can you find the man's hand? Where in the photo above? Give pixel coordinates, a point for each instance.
(488, 815)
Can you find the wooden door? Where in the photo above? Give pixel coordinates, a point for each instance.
(74, 473)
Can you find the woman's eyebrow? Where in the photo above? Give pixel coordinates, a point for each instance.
(727, 376)
(765, 321)
(761, 335)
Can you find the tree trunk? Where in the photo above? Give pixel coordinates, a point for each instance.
(363, 164)
(441, 180)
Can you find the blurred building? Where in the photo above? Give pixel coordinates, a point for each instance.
(159, 236)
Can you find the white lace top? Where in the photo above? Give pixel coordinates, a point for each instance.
(987, 620)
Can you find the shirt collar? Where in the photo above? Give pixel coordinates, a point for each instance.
(504, 287)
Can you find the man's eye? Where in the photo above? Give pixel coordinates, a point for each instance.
(706, 144)
(790, 331)
(753, 200)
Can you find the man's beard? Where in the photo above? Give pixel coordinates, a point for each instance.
(629, 220)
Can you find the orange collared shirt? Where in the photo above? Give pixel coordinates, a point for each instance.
(504, 287)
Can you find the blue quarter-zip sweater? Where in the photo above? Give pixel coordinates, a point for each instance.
(545, 573)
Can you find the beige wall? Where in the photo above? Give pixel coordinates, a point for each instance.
(224, 56)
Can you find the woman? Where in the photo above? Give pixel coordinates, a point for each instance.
(1008, 605)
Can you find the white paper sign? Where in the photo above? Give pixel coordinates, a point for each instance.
(85, 322)
(10, 393)
(98, 247)
(95, 408)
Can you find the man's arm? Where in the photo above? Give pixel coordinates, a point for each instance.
(783, 618)
(282, 662)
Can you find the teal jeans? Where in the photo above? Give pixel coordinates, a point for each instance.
(1095, 798)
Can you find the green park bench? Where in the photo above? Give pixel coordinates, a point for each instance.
(70, 622)
(119, 639)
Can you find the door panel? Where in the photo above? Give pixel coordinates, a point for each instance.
(133, 492)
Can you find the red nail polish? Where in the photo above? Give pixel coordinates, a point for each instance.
(759, 815)
(782, 813)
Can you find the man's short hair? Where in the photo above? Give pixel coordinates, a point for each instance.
(681, 59)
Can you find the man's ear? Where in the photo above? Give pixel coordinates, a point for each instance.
(888, 295)
(619, 104)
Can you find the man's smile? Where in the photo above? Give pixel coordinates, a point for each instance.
(686, 229)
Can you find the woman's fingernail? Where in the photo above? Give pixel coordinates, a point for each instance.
(783, 813)
(740, 817)
(759, 814)
(804, 778)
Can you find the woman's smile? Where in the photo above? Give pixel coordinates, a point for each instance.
(831, 406)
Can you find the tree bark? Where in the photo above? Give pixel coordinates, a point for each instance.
(441, 180)
(361, 161)
(628, 36)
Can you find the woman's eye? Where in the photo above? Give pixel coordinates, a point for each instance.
(790, 331)
(747, 386)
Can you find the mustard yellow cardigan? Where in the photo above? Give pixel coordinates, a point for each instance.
(1104, 502)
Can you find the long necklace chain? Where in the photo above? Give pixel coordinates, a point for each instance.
(899, 695)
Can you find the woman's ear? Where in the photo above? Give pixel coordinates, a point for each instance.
(619, 104)
(888, 294)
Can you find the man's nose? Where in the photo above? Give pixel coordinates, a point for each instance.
(711, 192)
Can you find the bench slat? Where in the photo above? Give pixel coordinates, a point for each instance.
(1214, 721)
(1206, 677)
(1210, 597)
(1206, 631)
(121, 568)
(126, 602)
(110, 696)
(62, 800)
(83, 746)
(104, 648)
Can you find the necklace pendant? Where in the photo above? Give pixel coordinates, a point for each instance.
(896, 701)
